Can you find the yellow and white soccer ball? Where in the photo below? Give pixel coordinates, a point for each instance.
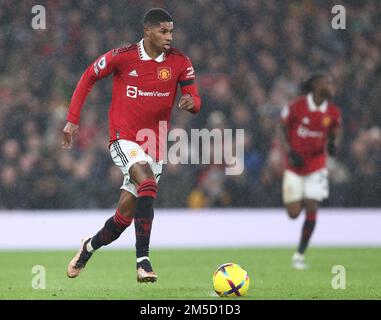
(231, 280)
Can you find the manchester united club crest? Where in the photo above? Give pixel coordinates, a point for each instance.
(133, 153)
(326, 121)
(164, 73)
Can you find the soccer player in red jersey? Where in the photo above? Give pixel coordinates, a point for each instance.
(145, 80)
(310, 124)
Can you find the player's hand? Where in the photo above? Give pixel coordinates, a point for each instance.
(295, 160)
(69, 133)
(186, 102)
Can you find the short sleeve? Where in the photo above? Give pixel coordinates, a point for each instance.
(285, 115)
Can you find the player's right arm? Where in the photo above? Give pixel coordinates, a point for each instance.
(284, 117)
(286, 121)
(100, 68)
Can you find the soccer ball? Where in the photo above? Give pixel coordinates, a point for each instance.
(230, 280)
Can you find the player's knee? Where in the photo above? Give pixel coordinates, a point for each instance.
(147, 188)
(293, 211)
(140, 172)
(293, 214)
(311, 206)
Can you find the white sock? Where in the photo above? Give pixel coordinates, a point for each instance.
(141, 259)
(89, 247)
(298, 255)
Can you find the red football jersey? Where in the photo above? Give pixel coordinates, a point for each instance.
(308, 127)
(143, 93)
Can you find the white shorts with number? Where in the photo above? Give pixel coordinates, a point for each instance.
(126, 153)
(312, 186)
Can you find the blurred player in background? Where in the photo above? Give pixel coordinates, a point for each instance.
(145, 80)
(310, 125)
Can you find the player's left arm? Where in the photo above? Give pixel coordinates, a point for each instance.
(190, 99)
(335, 134)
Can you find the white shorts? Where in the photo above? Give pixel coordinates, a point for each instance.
(313, 186)
(126, 153)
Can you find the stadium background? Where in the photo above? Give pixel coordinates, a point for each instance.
(250, 57)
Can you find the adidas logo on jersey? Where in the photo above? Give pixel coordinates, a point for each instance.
(133, 73)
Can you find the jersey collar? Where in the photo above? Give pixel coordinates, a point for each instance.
(313, 107)
(144, 56)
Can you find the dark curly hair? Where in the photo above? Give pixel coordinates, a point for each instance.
(307, 86)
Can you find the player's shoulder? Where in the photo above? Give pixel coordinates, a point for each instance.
(177, 54)
(124, 50)
(298, 103)
(334, 108)
(293, 107)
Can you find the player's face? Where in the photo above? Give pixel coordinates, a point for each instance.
(326, 87)
(161, 36)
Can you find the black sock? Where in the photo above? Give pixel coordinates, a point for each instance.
(145, 264)
(109, 233)
(308, 228)
(143, 223)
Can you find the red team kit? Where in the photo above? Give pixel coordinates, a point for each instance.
(141, 86)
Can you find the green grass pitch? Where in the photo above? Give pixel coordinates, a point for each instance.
(187, 274)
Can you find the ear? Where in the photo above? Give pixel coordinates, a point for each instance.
(147, 30)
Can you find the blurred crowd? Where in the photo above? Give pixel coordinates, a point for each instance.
(250, 57)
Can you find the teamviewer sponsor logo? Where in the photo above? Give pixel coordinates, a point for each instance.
(304, 132)
(153, 94)
(132, 92)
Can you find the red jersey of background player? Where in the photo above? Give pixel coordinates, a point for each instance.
(143, 93)
(308, 127)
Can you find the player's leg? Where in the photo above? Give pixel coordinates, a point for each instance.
(292, 192)
(294, 209)
(298, 259)
(309, 224)
(315, 190)
(142, 175)
(121, 154)
(111, 231)
(116, 224)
